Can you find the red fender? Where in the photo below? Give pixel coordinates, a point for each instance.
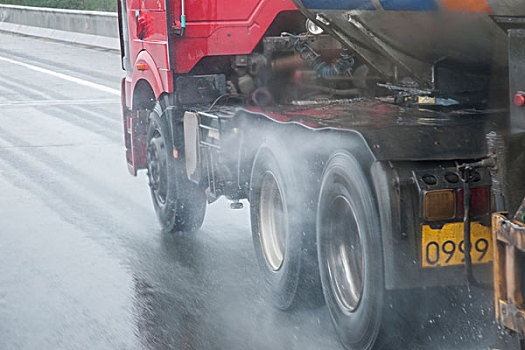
(146, 69)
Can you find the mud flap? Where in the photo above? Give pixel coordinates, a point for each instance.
(135, 127)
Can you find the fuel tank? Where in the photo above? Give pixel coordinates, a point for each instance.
(417, 35)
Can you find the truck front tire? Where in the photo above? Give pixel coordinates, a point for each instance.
(180, 204)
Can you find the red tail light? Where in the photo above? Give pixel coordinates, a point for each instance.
(519, 99)
(479, 202)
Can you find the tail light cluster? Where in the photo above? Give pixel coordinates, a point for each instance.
(442, 194)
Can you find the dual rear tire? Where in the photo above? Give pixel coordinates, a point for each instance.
(343, 232)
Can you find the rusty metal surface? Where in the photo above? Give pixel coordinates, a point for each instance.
(510, 232)
(509, 247)
(511, 317)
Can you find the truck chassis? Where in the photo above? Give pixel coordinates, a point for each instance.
(359, 192)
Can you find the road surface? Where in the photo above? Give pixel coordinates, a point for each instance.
(84, 264)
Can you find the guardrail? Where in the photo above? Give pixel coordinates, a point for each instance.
(84, 27)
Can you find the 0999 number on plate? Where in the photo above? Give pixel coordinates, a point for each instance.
(445, 246)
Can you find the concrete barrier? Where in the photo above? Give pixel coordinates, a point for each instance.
(83, 27)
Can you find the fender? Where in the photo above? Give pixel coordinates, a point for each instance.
(159, 81)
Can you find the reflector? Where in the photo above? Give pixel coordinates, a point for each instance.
(519, 100)
(440, 205)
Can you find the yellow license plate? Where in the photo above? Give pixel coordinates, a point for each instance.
(445, 246)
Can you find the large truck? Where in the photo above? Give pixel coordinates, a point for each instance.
(371, 138)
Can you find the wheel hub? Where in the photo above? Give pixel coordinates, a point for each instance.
(344, 254)
(272, 221)
(157, 166)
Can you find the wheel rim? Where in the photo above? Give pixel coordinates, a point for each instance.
(344, 255)
(157, 167)
(272, 221)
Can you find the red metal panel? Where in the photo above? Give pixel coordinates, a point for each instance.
(222, 27)
(156, 26)
(217, 10)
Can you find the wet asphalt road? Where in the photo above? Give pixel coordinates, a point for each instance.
(83, 264)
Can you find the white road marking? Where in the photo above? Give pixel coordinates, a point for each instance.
(90, 144)
(58, 102)
(63, 76)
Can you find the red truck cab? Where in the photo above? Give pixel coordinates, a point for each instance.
(157, 43)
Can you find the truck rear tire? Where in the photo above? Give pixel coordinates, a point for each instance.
(351, 259)
(180, 204)
(283, 225)
(349, 251)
